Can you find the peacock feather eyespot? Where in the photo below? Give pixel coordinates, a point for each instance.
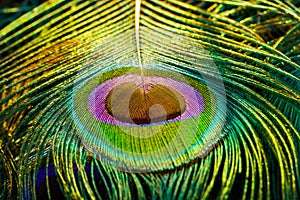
(147, 123)
(150, 99)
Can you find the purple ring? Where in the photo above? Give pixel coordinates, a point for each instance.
(97, 98)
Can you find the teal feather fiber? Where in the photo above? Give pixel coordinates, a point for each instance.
(241, 56)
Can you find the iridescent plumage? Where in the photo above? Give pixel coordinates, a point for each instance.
(246, 53)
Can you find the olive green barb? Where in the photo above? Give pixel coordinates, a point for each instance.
(150, 99)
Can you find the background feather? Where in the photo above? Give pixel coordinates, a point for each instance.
(59, 44)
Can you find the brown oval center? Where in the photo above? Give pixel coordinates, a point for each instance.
(129, 103)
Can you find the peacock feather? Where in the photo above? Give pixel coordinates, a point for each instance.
(151, 99)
